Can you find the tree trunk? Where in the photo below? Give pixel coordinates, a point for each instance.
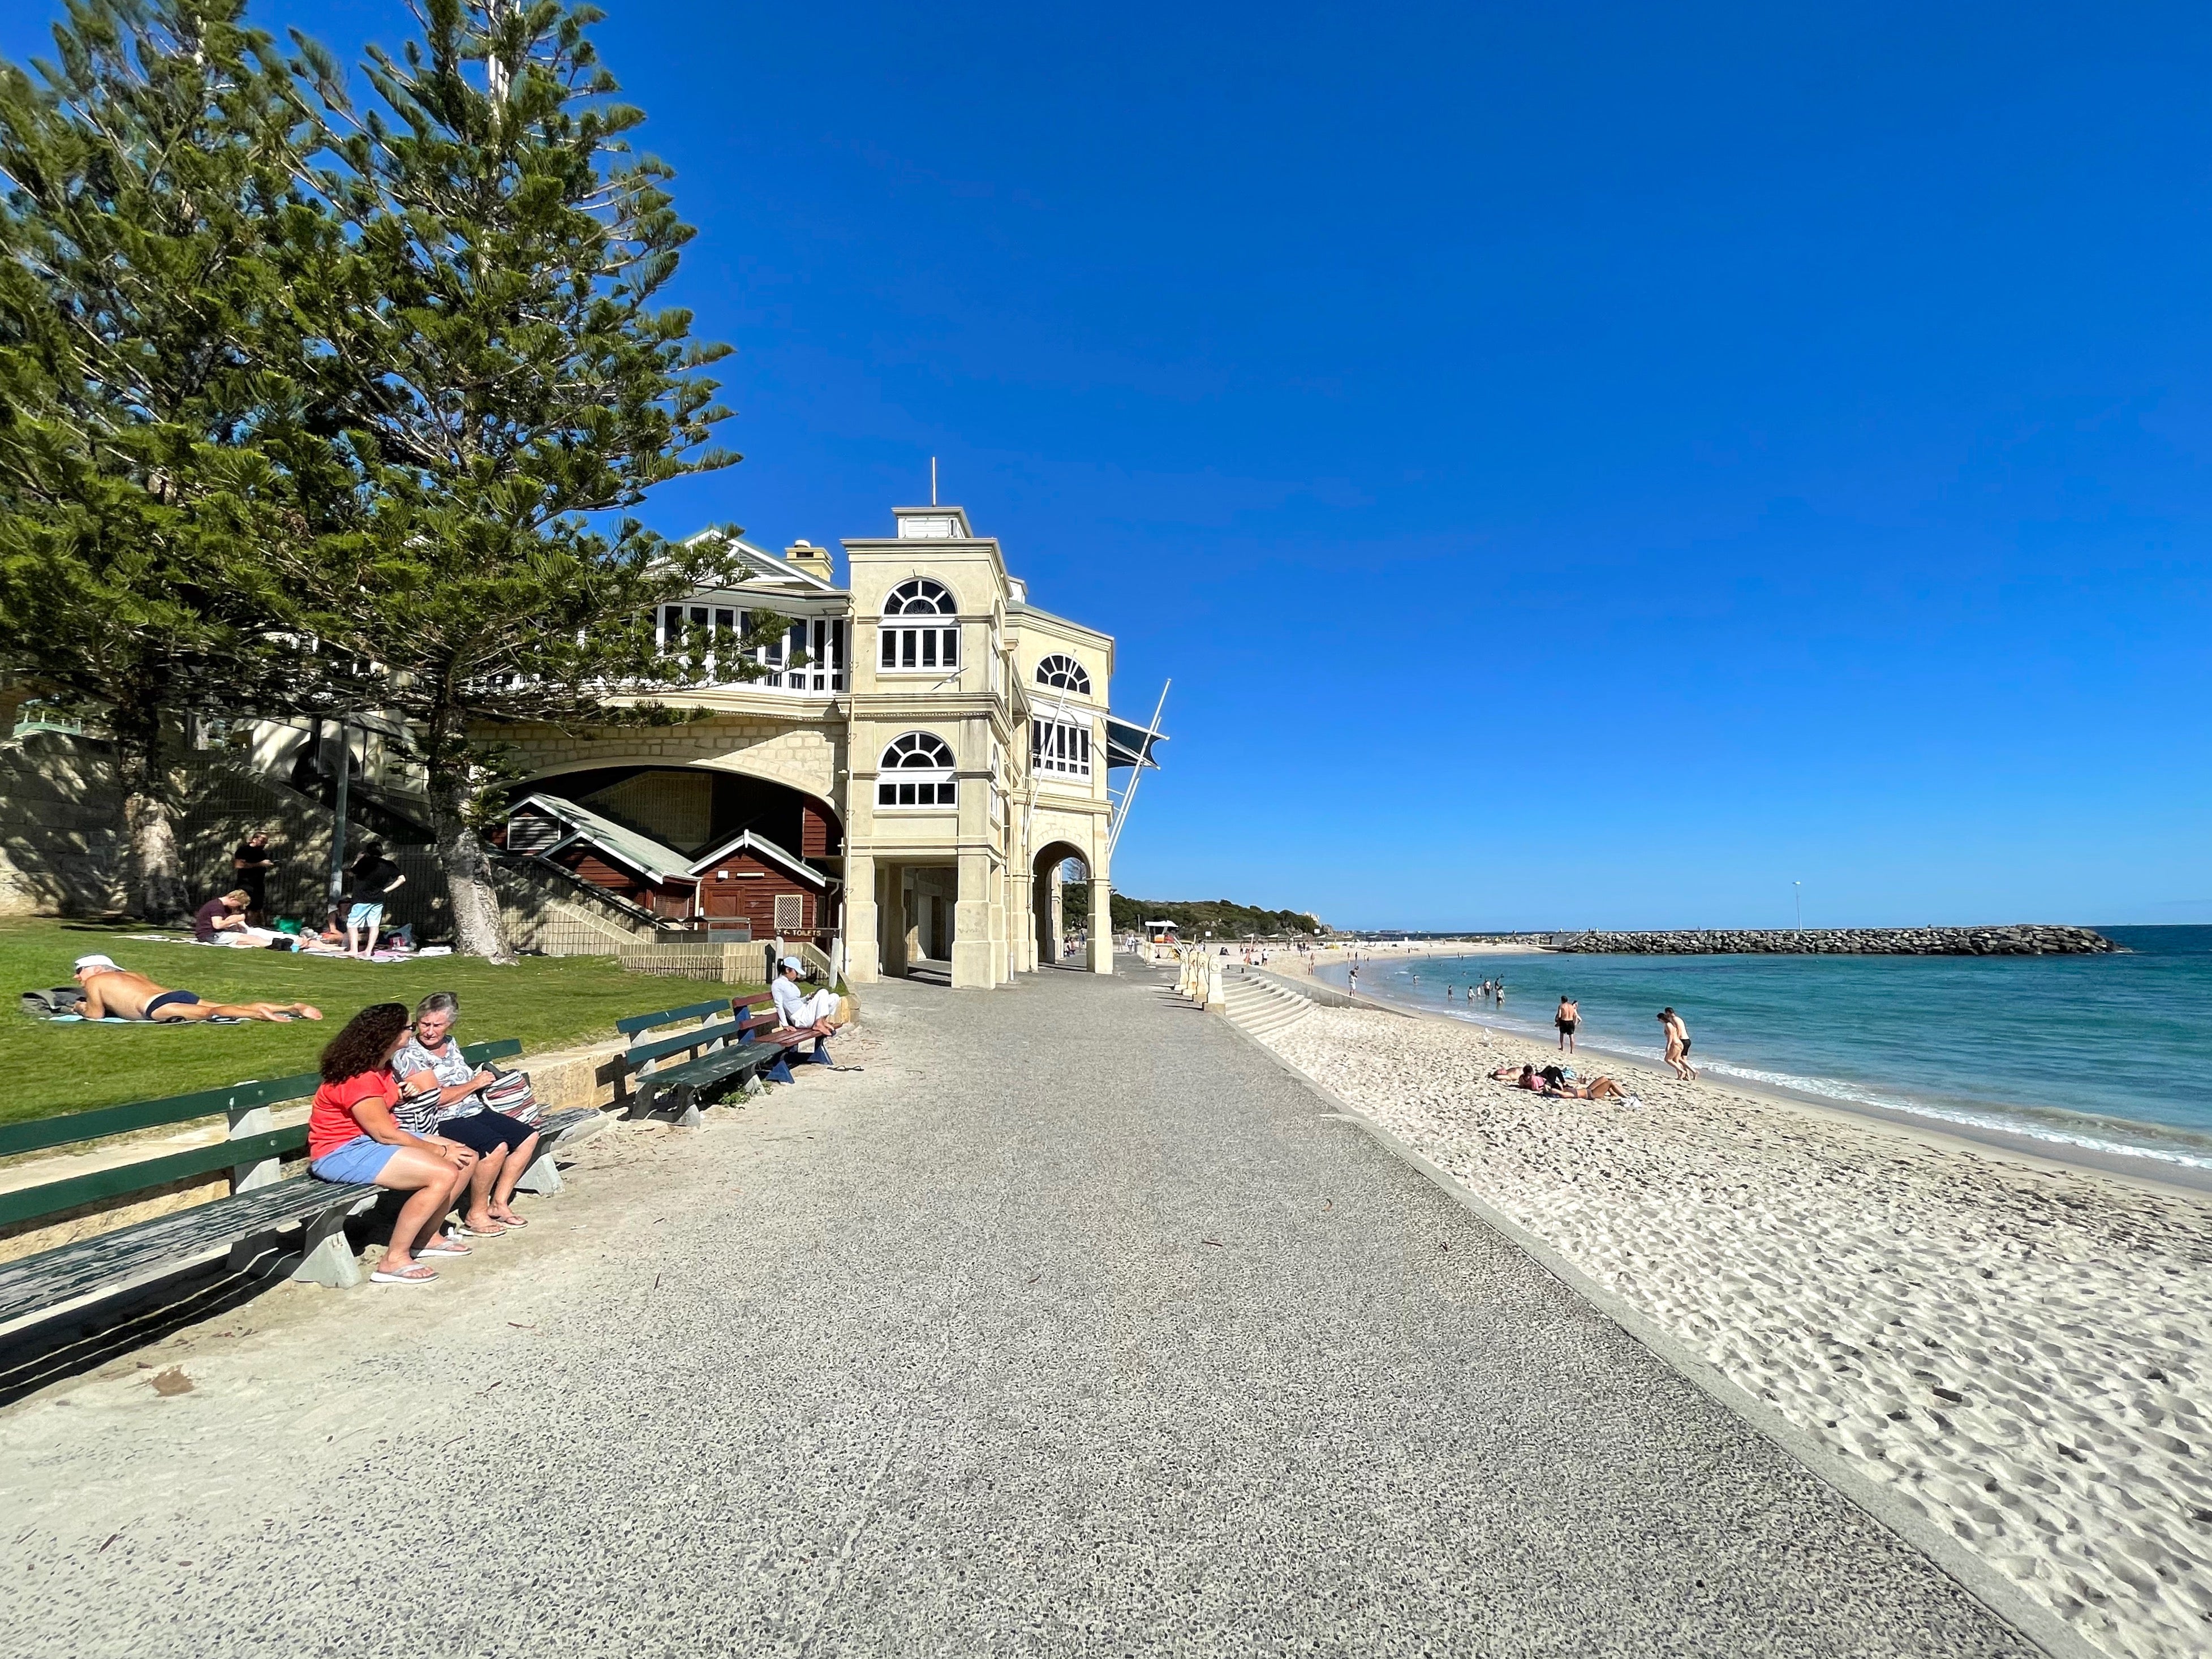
(479, 930)
(153, 867)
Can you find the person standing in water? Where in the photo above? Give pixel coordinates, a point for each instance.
(1566, 1019)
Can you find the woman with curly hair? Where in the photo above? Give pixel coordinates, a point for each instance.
(352, 1136)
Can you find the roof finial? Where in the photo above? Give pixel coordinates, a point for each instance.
(932, 481)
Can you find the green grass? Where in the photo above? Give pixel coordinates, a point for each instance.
(551, 1002)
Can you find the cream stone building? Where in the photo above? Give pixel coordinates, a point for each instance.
(909, 783)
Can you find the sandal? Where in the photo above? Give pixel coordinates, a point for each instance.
(417, 1274)
(510, 1220)
(444, 1247)
(493, 1231)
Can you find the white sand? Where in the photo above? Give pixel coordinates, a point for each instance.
(2021, 1351)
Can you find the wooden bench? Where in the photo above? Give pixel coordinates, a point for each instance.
(733, 1050)
(262, 1203)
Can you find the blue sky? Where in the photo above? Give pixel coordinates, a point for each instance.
(1581, 466)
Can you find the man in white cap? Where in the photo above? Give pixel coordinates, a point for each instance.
(111, 989)
(803, 1016)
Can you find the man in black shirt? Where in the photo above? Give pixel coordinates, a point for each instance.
(253, 863)
(373, 876)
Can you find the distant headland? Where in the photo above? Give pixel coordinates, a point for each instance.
(2025, 939)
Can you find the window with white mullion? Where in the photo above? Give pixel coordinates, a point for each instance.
(820, 642)
(1060, 748)
(918, 649)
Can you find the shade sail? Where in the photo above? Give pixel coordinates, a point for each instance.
(1129, 744)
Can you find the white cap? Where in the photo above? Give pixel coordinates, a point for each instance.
(793, 963)
(83, 962)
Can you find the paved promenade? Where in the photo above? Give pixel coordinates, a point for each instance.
(1074, 1325)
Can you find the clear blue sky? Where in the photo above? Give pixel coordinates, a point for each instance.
(1580, 466)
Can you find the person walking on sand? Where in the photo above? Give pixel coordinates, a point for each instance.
(1678, 1044)
(1566, 1019)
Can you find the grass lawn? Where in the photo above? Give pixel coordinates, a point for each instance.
(549, 1002)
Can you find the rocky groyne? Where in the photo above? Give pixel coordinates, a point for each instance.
(2022, 940)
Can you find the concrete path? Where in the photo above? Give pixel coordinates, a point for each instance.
(1075, 1325)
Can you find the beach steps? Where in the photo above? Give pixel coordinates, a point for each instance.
(1260, 1006)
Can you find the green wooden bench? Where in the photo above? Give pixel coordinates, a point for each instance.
(262, 1204)
(721, 1052)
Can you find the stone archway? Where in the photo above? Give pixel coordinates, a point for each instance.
(1050, 874)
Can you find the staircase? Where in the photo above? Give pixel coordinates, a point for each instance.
(1261, 1006)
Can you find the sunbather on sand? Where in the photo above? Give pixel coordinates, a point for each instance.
(1603, 1088)
(111, 989)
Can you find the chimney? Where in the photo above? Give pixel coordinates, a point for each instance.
(814, 561)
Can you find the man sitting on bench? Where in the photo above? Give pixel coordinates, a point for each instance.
(110, 989)
(803, 1016)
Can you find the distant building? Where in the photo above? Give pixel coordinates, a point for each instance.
(923, 756)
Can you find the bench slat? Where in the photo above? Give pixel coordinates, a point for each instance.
(32, 1202)
(697, 1037)
(637, 1023)
(111, 1261)
(61, 1129)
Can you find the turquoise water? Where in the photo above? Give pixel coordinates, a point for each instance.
(2108, 1054)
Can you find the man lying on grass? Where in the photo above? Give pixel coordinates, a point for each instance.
(112, 990)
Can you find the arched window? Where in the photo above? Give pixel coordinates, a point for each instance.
(1064, 674)
(921, 597)
(916, 770)
(907, 648)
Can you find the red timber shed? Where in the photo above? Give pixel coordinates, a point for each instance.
(748, 881)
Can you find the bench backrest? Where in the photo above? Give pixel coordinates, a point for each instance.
(698, 1036)
(637, 1023)
(29, 1203)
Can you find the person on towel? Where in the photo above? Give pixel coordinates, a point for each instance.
(112, 990)
(803, 1016)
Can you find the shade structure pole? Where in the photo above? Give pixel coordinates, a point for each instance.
(1137, 776)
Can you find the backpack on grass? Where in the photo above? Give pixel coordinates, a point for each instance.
(62, 999)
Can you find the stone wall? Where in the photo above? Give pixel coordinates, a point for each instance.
(2022, 940)
(804, 756)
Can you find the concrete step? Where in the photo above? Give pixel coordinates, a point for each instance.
(1262, 1008)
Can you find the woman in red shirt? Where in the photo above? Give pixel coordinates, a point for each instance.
(352, 1136)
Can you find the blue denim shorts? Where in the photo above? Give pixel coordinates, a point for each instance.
(362, 1158)
(365, 915)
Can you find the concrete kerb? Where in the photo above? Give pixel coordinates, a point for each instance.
(2002, 1597)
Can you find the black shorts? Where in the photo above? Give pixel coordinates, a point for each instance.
(485, 1133)
(1567, 1026)
(1686, 1046)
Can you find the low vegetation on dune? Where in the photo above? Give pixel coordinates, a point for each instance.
(1223, 917)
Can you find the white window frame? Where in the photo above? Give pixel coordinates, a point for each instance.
(904, 648)
(915, 773)
(822, 640)
(1060, 748)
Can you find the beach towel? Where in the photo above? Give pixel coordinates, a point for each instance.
(165, 1024)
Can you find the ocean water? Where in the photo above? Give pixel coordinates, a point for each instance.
(2110, 1054)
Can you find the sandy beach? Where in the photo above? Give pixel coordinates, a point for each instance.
(2017, 1349)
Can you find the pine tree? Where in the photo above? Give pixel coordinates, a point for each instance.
(148, 167)
(508, 382)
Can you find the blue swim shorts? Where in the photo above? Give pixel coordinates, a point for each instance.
(365, 915)
(362, 1158)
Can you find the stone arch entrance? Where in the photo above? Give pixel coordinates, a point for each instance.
(1058, 867)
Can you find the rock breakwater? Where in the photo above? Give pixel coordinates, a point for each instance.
(2027, 939)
